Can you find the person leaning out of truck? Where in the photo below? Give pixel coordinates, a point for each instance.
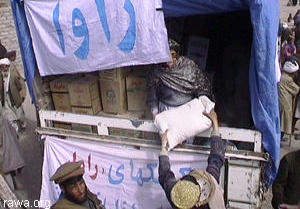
(176, 83)
(199, 189)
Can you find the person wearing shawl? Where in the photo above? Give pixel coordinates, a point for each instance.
(176, 83)
(198, 189)
(13, 159)
(288, 89)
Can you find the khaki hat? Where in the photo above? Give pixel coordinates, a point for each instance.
(67, 171)
(207, 185)
(185, 194)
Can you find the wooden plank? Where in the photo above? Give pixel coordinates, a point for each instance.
(248, 155)
(234, 134)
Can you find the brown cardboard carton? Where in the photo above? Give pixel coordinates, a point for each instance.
(116, 74)
(61, 83)
(113, 95)
(84, 92)
(84, 110)
(136, 89)
(61, 102)
(62, 125)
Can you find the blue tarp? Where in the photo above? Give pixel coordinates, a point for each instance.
(263, 87)
(25, 42)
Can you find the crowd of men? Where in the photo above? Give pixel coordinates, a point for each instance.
(286, 192)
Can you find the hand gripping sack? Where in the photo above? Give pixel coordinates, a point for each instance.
(185, 121)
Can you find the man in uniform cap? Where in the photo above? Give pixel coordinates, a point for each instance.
(75, 192)
(198, 189)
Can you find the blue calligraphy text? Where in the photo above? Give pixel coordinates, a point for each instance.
(185, 171)
(126, 45)
(81, 31)
(140, 180)
(128, 42)
(124, 205)
(58, 28)
(103, 18)
(118, 174)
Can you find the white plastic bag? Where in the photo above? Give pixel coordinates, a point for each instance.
(185, 121)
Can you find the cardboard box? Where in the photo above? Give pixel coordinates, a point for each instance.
(116, 74)
(61, 102)
(113, 96)
(84, 92)
(137, 92)
(61, 84)
(84, 110)
(62, 125)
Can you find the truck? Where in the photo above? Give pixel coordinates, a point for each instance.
(121, 165)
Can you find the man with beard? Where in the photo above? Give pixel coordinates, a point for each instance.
(76, 195)
(176, 83)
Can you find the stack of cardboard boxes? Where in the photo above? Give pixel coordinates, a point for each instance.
(123, 91)
(61, 97)
(113, 91)
(136, 89)
(85, 99)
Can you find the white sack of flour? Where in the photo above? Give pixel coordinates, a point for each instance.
(185, 121)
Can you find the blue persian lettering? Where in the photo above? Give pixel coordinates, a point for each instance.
(81, 31)
(58, 28)
(126, 45)
(103, 18)
(124, 205)
(118, 174)
(140, 180)
(185, 171)
(151, 167)
(128, 42)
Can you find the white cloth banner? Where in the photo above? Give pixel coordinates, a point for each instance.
(122, 177)
(83, 36)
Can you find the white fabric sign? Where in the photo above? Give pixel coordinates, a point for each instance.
(83, 36)
(122, 177)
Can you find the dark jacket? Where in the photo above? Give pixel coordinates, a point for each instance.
(177, 85)
(167, 178)
(17, 88)
(286, 188)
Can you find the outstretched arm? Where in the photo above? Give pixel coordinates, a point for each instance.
(166, 177)
(218, 145)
